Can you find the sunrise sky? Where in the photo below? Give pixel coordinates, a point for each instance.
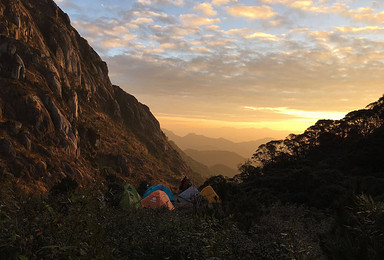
(202, 66)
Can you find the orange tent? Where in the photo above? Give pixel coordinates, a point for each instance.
(157, 199)
(210, 195)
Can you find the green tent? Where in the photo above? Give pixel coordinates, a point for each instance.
(130, 198)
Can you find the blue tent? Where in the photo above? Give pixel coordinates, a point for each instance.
(159, 187)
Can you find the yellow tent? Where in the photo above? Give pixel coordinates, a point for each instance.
(210, 195)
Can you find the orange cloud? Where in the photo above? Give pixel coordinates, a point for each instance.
(262, 36)
(212, 27)
(142, 20)
(278, 1)
(366, 15)
(170, 46)
(112, 43)
(310, 6)
(252, 12)
(200, 50)
(220, 2)
(205, 8)
(299, 113)
(366, 29)
(195, 20)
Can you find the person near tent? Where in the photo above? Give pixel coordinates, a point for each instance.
(185, 184)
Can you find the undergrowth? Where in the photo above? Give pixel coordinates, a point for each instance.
(75, 223)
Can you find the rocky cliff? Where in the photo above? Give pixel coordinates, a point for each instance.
(59, 113)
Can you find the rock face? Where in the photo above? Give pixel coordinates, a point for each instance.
(59, 110)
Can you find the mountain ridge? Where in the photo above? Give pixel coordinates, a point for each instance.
(219, 162)
(355, 124)
(203, 143)
(60, 114)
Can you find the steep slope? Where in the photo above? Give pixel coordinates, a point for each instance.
(221, 169)
(203, 143)
(59, 113)
(199, 171)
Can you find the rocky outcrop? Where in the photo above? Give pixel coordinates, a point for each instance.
(11, 64)
(18, 68)
(25, 140)
(55, 84)
(56, 100)
(32, 110)
(67, 132)
(74, 105)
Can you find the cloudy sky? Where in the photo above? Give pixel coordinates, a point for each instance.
(276, 64)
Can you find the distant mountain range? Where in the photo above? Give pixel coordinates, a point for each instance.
(198, 161)
(213, 156)
(203, 143)
(234, 134)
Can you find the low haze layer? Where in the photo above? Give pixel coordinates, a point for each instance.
(277, 64)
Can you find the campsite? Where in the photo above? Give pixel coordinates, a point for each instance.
(125, 224)
(275, 118)
(161, 197)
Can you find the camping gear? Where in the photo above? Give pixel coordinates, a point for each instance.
(189, 194)
(210, 195)
(130, 197)
(159, 187)
(157, 199)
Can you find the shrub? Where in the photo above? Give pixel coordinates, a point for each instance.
(358, 232)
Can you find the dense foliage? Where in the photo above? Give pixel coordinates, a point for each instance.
(79, 224)
(335, 167)
(317, 195)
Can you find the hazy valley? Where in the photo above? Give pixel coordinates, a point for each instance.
(218, 155)
(203, 143)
